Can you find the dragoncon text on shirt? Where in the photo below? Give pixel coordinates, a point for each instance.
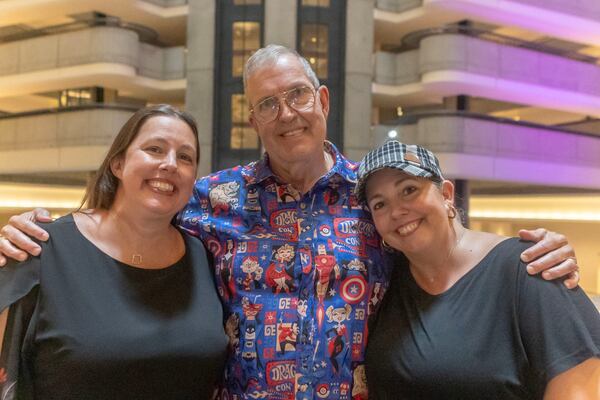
(299, 275)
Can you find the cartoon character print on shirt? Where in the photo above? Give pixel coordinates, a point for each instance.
(306, 324)
(250, 334)
(224, 197)
(331, 195)
(305, 382)
(280, 271)
(327, 271)
(253, 273)
(337, 335)
(224, 271)
(319, 218)
(354, 286)
(287, 194)
(287, 334)
(252, 203)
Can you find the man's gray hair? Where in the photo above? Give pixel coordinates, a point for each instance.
(269, 56)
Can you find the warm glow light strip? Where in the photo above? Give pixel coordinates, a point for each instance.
(540, 215)
(584, 208)
(31, 196)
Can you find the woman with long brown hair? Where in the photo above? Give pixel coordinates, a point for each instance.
(120, 304)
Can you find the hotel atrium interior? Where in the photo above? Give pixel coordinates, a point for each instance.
(506, 93)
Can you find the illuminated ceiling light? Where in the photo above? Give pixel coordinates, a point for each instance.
(312, 60)
(399, 111)
(392, 134)
(313, 39)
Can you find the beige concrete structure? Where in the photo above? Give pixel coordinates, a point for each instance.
(506, 91)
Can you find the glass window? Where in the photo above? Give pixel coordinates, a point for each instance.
(315, 3)
(246, 40)
(243, 135)
(75, 97)
(247, 2)
(314, 46)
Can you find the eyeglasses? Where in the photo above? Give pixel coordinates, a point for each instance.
(300, 98)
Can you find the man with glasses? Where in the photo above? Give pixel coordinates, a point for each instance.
(297, 259)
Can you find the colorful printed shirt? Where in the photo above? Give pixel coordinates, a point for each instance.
(298, 275)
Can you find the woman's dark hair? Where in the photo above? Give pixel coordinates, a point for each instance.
(102, 188)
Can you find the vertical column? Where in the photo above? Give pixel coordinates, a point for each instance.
(280, 22)
(240, 25)
(322, 40)
(462, 190)
(462, 193)
(359, 76)
(200, 74)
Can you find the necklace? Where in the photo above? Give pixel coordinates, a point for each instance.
(458, 240)
(450, 252)
(136, 259)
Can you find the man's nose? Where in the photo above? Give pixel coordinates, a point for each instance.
(286, 112)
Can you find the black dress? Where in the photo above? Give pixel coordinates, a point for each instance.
(83, 325)
(498, 333)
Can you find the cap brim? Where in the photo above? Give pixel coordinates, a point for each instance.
(406, 167)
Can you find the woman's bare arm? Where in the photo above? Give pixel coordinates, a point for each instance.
(581, 382)
(3, 318)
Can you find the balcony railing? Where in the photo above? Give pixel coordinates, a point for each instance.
(524, 70)
(487, 136)
(145, 34)
(86, 125)
(585, 9)
(413, 40)
(95, 45)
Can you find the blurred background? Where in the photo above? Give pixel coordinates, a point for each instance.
(506, 93)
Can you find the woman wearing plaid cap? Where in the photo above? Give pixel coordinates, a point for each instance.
(462, 319)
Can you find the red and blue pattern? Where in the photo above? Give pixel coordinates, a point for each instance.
(298, 275)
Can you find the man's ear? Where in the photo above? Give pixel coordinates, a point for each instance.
(116, 166)
(323, 94)
(253, 122)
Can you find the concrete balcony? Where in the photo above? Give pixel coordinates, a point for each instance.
(582, 8)
(72, 140)
(167, 17)
(573, 20)
(167, 3)
(453, 64)
(489, 149)
(112, 57)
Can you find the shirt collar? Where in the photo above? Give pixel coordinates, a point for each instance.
(260, 170)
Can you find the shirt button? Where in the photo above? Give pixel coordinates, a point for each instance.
(303, 205)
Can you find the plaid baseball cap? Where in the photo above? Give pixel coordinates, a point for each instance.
(409, 158)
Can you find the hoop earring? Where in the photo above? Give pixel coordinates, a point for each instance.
(386, 246)
(451, 211)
